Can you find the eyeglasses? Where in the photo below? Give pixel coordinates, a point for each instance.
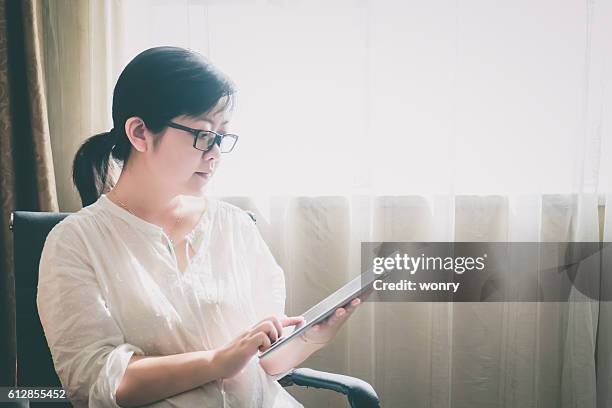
(204, 140)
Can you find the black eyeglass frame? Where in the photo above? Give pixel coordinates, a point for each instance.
(196, 133)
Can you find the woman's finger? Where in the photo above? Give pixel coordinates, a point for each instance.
(267, 327)
(341, 315)
(292, 321)
(261, 341)
(353, 305)
(276, 322)
(338, 313)
(336, 317)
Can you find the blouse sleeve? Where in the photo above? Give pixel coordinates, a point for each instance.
(89, 352)
(267, 277)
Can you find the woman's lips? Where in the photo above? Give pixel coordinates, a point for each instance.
(203, 174)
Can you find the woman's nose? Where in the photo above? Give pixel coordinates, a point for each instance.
(213, 153)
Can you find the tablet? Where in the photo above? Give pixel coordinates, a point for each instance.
(325, 308)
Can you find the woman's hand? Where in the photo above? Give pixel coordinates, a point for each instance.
(324, 332)
(234, 356)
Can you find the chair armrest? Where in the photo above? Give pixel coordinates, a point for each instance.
(360, 394)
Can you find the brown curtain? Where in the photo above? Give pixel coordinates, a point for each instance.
(27, 180)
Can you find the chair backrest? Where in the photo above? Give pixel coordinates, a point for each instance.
(34, 362)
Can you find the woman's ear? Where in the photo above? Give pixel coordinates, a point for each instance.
(136, 131)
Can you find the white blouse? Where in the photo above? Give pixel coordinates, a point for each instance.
(109, 286)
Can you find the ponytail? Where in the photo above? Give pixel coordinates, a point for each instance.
(91, 166)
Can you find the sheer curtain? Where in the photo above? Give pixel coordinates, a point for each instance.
(412, 121)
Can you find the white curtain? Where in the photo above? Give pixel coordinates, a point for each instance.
(412, 121)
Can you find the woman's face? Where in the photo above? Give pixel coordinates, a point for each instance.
(179, 166)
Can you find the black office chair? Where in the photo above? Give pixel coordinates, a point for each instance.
(34, 362)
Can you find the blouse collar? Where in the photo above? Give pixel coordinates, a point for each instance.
(153, 229)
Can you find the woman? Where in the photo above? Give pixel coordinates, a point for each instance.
(153, 293)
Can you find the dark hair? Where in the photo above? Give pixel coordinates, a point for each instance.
(156, 86)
